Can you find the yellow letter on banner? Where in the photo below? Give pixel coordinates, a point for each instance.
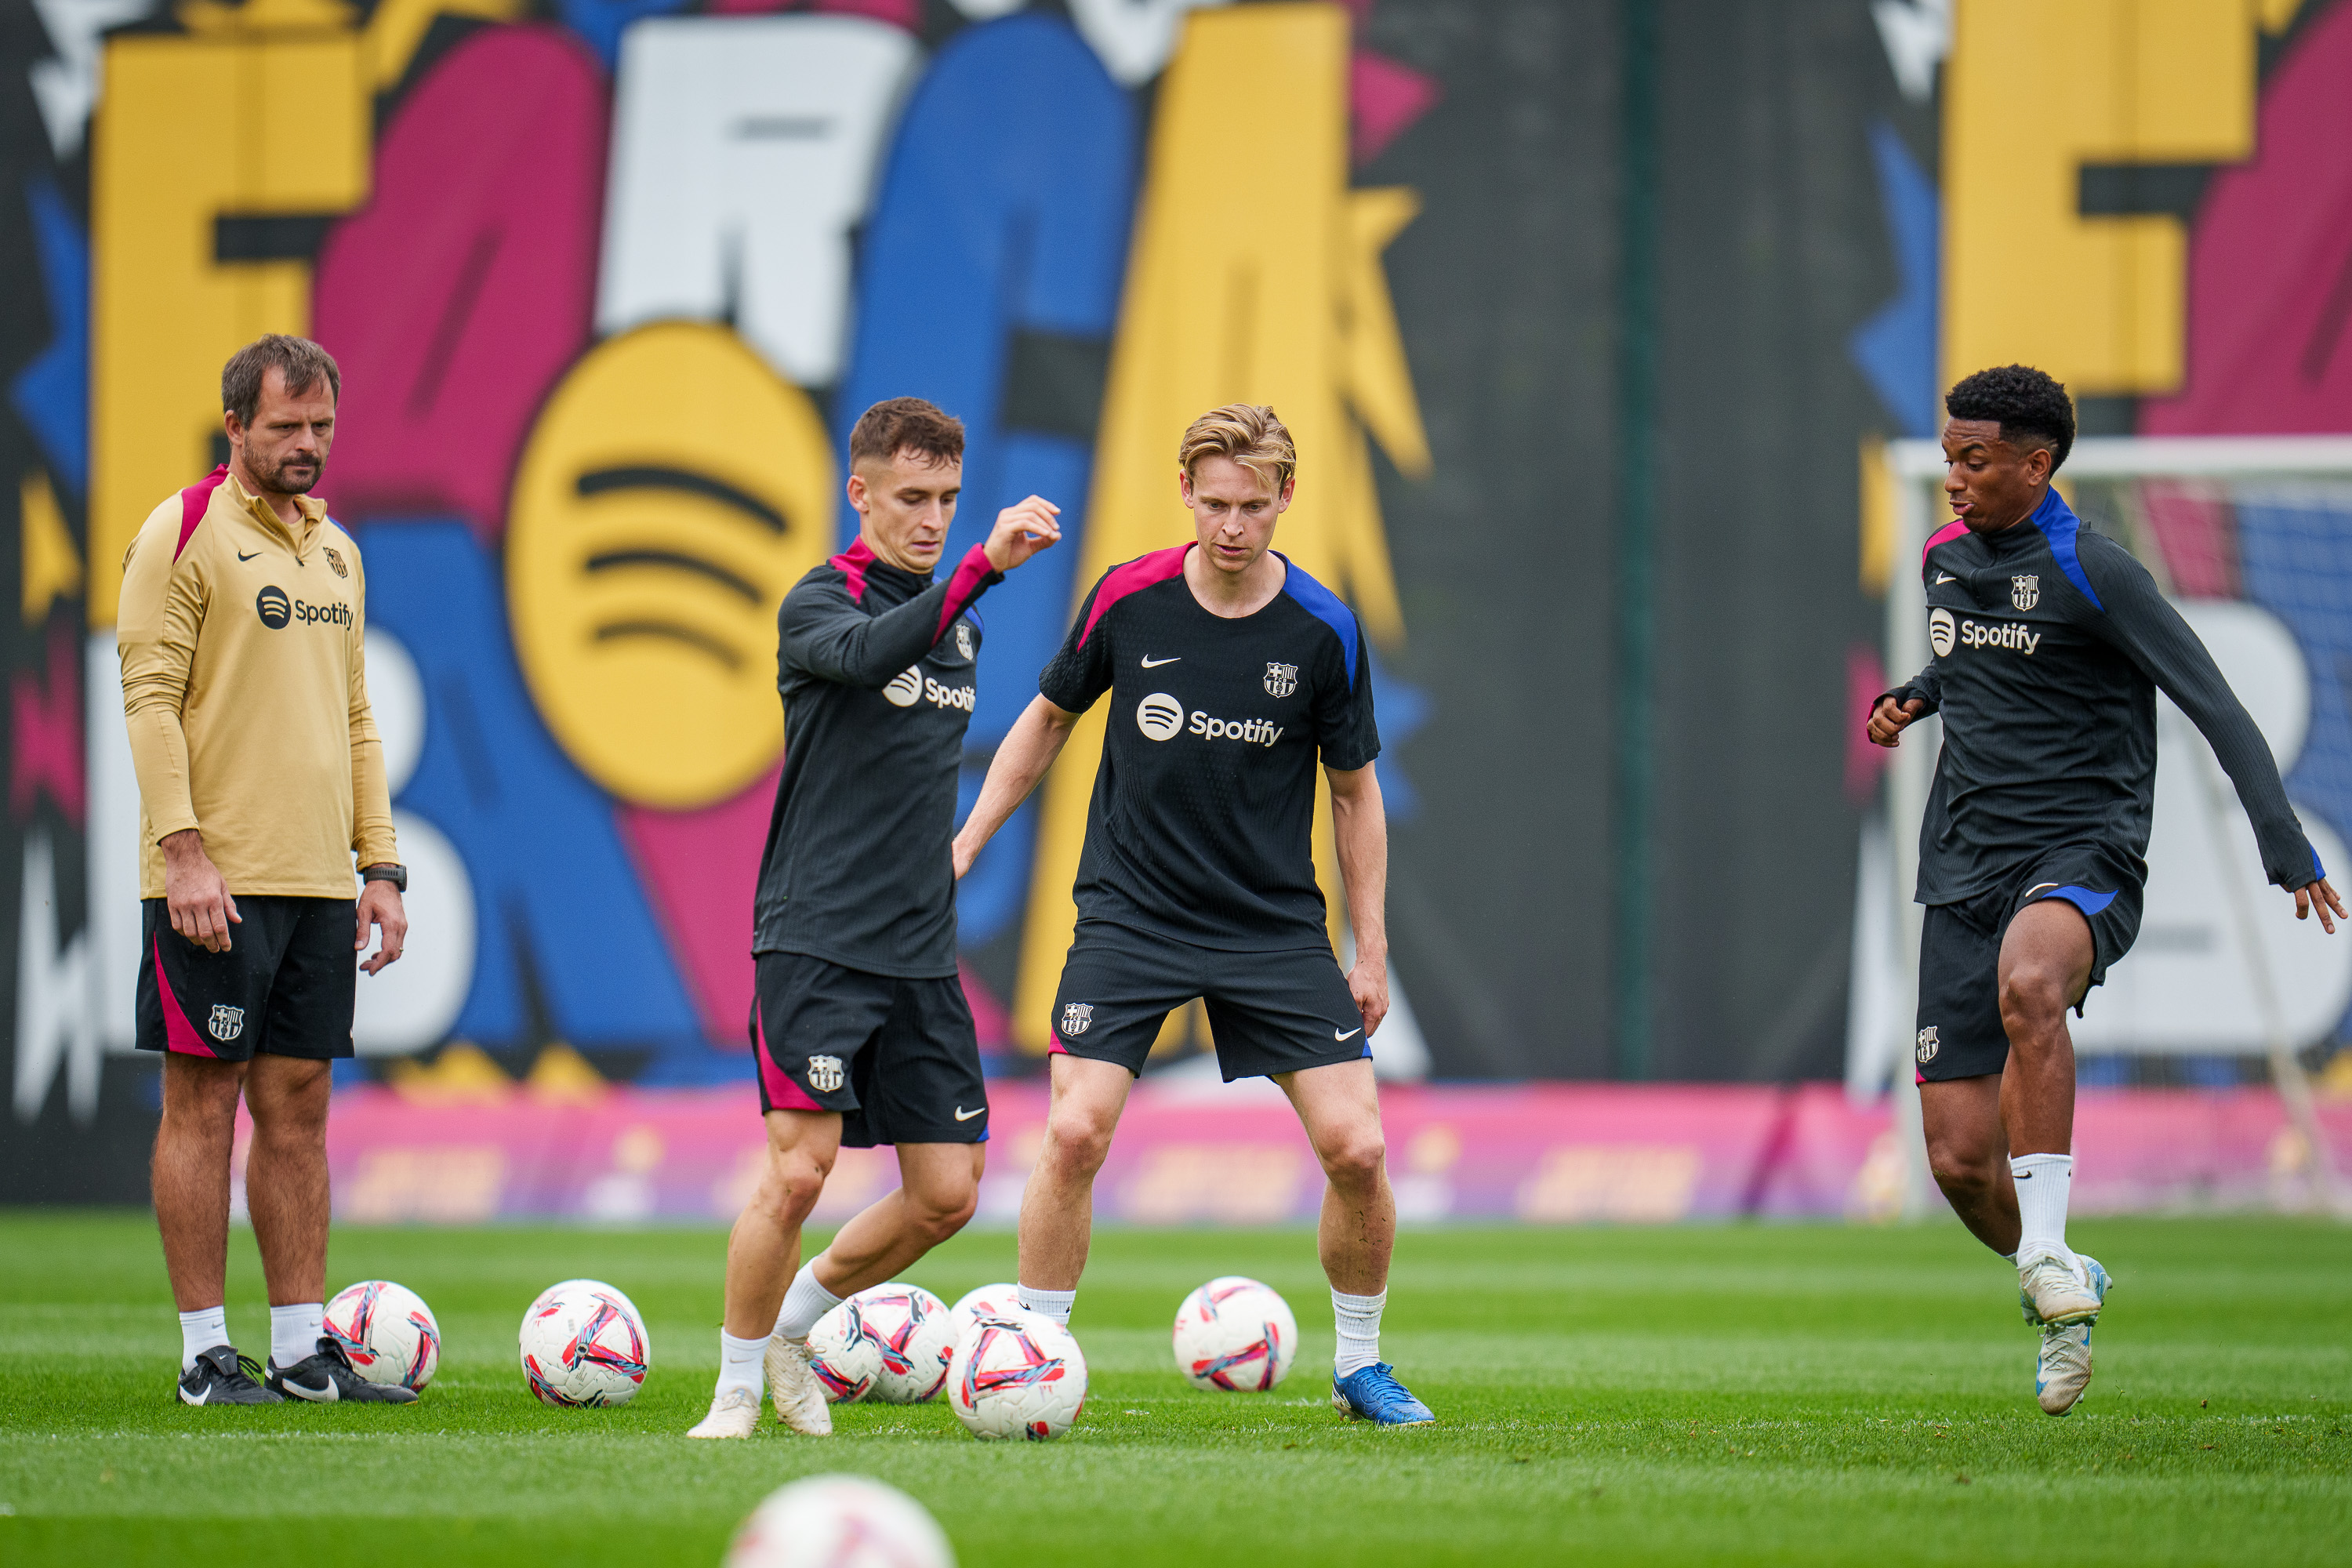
(266, 116)
(2032, 92)
(1260, 284)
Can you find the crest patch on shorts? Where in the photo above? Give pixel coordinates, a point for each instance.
(1928, 1045)
(825, 1074)
(1077, 1017)
(227, 1023)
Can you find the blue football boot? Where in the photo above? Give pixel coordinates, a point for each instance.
(1373, 1393)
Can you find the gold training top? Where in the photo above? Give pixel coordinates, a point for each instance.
(246, 690)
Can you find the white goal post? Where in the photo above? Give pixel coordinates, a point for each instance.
(2226, 972)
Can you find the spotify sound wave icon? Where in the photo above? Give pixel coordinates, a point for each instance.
(673, 492)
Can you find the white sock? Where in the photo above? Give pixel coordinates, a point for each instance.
(1054, 1304)
(200, 1331)
(739, 1363)
(1358, 1319)
(2042, 1183)
(804, 1304)
(294, 1332)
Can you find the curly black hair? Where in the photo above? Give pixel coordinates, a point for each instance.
(2024, 401)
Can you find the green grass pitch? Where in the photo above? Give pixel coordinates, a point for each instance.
(1799, 1394)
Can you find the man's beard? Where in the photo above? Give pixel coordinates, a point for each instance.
(275, 478)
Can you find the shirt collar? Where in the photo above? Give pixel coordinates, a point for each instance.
(312, 509)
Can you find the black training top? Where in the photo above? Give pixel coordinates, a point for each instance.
(2049, 644)
(876, 668)
(1203, 810)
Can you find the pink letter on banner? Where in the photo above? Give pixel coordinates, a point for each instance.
(702, 871)
(2270, 264)
(455, 297)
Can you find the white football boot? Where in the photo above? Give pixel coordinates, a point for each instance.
(734, 1413)
(2059, 1289)
(2063, 1371)
(800, 1398)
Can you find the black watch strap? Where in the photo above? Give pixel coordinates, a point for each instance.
(396, 875)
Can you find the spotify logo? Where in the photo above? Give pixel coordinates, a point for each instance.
(904, 688)
(274, 607)
(1160, 716)
(672, 490)
(1939, 633)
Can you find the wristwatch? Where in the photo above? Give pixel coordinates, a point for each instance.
(387, 872)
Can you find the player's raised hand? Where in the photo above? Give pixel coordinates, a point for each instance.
(1888, 722)
(2320, 895)
(1021, 530)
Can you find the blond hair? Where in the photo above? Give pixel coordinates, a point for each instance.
(1248, 434)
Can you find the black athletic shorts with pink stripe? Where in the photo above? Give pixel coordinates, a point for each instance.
(284, 988)
(897, 1058)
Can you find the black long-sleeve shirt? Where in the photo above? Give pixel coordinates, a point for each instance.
(875, 667)
(2050, 645)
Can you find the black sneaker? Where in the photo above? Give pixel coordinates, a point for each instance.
(327, 1376)
(221, 1377)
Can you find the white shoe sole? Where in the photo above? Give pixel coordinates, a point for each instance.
(800, 1402)
(728, 1424)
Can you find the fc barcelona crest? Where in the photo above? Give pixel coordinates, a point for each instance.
(227, 1024)
(1281, 679)
(825, 1074)
(1077, 1017)
(2025, 590)
(963, 638)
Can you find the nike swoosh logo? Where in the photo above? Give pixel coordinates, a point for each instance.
(204, 1398)
(1150, 663)
(241, 555)
(1350, 1035)
(327, 1395)
(963, 1115)
(1947, 577)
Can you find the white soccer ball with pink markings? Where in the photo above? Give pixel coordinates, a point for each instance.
(583, 1343)
(840, 1521)
(1016, 1374)
(909, 1327)
(1003, 1296)
(843, 1358)
(388, 1332)
(1235, 1333)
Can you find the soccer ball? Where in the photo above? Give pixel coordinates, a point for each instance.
(388, 1332)
(1016, 1374)
(584, 1342)
(840, 1521)
(1233, 1333)
(1002, 1297)
(845, 1357)
(909, 1327)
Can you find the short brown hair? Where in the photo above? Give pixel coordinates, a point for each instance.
(898, 425)
(302, 361)
(1247, 433)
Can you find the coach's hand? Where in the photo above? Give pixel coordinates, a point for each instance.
(194, 893)
(1888, 722)
(2321, 896)
(379, 905)
(1367, 983)
(1021, 531)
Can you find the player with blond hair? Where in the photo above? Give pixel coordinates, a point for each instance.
(1231, 673)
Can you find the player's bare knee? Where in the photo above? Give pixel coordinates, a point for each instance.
(1357, 1159)
(2032, 1000)
(1076, 1143)
(789, 1188)
(1964, 1175)
(940, 1215)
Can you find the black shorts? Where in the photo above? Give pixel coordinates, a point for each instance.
(1959, 1029)
(898, 1059)
(284, 988)
(1269, 1012)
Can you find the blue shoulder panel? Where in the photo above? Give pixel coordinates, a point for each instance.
(2059, 525)
(1325, 606)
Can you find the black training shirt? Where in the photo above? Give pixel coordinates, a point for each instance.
(876, 668)
(2050, 643)
(1201, 826)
